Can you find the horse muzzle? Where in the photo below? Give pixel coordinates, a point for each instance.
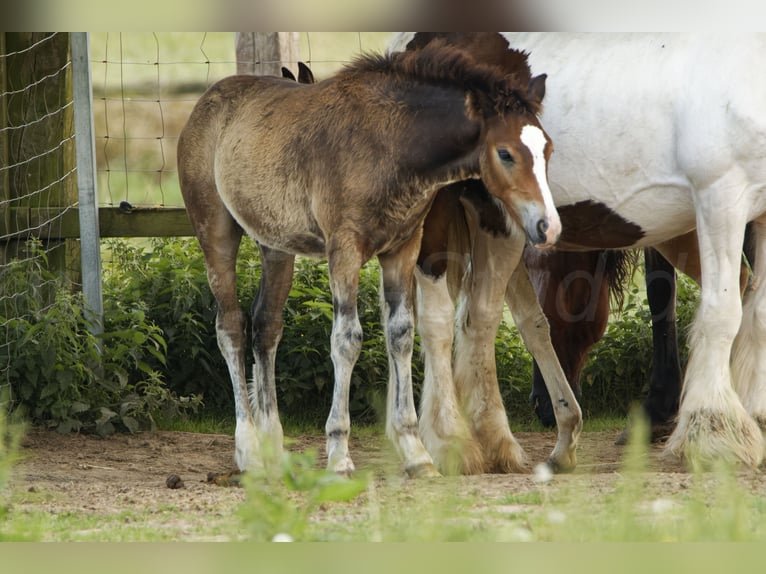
(543, 232)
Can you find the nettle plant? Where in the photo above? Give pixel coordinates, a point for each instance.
(62, 376)
(158, 358)
(167, 280)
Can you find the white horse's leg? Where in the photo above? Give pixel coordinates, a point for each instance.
(535, 331)
(442, 426)
(493, 259)
(748, 360)
(396, 307)
(712, 423)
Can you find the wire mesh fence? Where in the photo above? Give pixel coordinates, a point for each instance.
(37, 177)
(144, 86)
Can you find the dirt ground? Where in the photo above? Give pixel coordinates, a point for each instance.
(109, 476)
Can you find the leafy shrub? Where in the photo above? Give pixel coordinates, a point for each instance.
(618, 368)
(63, 376)
(168, 282)
(159, 357)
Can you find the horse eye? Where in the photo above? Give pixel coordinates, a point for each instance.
(505, 156)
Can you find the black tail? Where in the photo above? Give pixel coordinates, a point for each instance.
(619, 267)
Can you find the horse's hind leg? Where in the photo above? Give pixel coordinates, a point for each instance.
(401, 418)
(276, 279)
(661, 403)
(219, 236)
(748, 356)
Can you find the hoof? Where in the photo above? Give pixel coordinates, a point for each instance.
(562, 467)
(425, 470)
(505, 456)
(344, 467)
(460, 457)
(231, 478)
(705, 437)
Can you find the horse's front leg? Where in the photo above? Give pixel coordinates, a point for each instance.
(535, 331)
(345, 346)
(396, 306)
(442, 425)
(276, 279)
(494, 256)
(712, 422)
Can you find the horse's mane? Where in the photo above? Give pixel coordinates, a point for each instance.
(504, 80)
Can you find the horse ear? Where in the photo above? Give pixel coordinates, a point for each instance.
(305, 75)
(287, 74)
(536, 89)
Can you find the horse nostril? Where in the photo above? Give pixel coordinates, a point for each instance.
(542, 227)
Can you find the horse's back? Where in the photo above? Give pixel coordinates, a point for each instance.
(640, 121)
(213, 114)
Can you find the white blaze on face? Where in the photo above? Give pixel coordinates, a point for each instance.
(534, 139)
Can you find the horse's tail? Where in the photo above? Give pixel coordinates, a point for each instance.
(619, 267)
(458, 249)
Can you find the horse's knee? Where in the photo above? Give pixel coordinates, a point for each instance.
(400, 332)
(716, 321)
(230, 331)
(346, 341)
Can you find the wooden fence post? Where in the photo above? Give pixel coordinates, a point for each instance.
(40, 181)
(264, 53)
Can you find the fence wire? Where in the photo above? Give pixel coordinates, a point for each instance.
(144, 87)
(37, 178)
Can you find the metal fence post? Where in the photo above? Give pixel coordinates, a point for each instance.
(90, 238)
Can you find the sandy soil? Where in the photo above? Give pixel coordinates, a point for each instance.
(109, 476)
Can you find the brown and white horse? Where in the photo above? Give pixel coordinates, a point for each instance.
(347, 169)
(655, 143)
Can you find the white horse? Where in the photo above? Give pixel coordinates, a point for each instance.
(659, 138)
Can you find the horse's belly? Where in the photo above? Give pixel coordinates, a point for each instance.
(281, 236)
(276, 221)
(591, 224)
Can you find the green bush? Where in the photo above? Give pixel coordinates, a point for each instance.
(616, 375)
(168, 282)
(159, 358)
(63, 376)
